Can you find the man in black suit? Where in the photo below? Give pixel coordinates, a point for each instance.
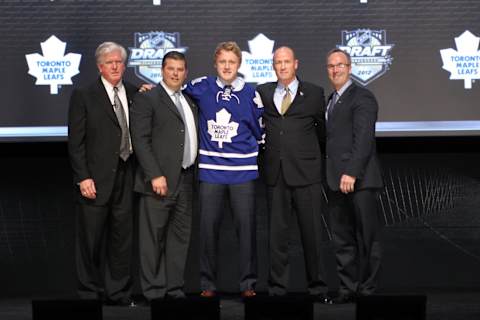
(294, 110)
(164, 135)
(353, 177)
(100, 154)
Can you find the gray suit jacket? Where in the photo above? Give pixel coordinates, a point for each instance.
(158, 136)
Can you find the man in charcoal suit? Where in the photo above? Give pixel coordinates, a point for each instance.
(164, 135)
(353, 178)
(292, 167)
(101, 157)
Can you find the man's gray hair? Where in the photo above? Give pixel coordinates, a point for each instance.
(109, 47)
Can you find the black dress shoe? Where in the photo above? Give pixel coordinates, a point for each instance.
(124, 302)
(180, 296)
(344, 298)
(321, 298)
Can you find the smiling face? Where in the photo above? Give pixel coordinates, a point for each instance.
(227, 64)
(285, 65)
(111, 66)
(339, 69)
(174, 73)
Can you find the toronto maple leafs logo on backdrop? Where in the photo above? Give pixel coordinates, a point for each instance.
(257, 64)
(463, 63)
(53, 68)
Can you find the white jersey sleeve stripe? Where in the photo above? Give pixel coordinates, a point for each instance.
(227, 168)
(227, 154)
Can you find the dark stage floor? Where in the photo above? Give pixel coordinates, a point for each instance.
(441, 305)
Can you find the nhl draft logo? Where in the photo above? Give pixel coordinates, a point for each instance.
(463, 63)
(52, 67)
(370, 53)
(257, 65)
(147, 55)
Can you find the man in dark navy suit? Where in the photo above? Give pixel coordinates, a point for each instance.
(353, 178)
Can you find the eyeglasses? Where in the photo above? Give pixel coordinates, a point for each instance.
(338, 66)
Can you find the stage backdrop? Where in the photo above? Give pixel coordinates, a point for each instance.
(420, 58)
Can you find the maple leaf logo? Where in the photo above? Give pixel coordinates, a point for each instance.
(463, 63)
(257, 66)
(53, 68)
(222, 130)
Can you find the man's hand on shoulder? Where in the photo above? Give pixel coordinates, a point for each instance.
(146, 87)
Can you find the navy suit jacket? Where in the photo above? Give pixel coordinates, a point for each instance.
(158, 137)
(350, 140)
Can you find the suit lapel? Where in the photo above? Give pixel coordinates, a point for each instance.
(167, 101)
(269, 92)
(344, 98)
(298, 100)
(101, 92)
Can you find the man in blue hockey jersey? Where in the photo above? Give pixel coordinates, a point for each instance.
(230, 129)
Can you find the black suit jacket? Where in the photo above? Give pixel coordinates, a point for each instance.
(350, 144)
(94, 136)
(292, 142)
(158, 137)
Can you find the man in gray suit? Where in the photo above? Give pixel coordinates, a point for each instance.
(164, 137)
(353, 178)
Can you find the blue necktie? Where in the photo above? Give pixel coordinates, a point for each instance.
(332, 103)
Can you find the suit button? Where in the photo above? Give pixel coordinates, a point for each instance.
(114, 170)
(281, 132)
(181, 144)
(182, 131)
(326, 157)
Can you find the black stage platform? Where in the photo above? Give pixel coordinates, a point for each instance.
(441, 305)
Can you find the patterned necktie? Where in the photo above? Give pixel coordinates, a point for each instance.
(186, 161)
(332, 103)
(286, 101)
(122, 121)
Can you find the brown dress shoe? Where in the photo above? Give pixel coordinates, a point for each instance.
(248, 293)
(208, 294)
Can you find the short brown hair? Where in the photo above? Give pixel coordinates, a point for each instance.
(337, 50)
(228, 46)
(174, 55)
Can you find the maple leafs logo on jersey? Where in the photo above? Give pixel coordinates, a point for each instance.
(257, 66)
(463, 63)
(222, 130)
(53, 68)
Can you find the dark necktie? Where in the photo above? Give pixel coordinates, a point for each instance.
(186, 151)
(122, 121)
(332, 103)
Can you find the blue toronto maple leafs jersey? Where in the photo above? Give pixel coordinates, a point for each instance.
(230, 129)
